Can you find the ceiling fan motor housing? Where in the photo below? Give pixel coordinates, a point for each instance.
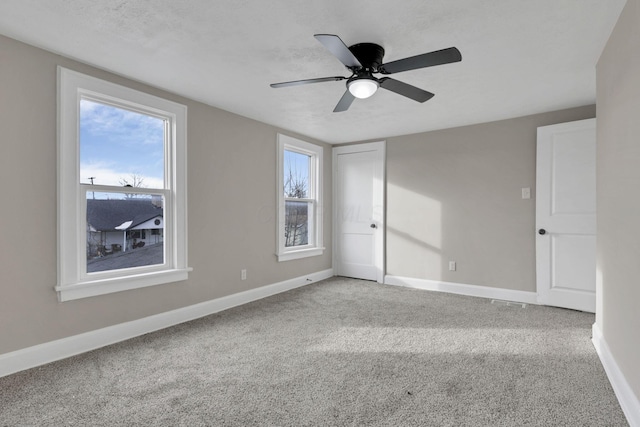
(369, 54)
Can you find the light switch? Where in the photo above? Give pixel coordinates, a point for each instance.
(526, 193)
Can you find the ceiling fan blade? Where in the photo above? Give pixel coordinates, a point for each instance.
(345, 102)
(340, 50)
(439, 57)
(308, 81)
(405, 89)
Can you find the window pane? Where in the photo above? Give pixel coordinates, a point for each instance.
(296, 223)
(120, 147)
(124, 230)
(296, 174)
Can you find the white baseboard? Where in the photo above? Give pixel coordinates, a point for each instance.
(463, 289)
(41, 354)
(628, 400)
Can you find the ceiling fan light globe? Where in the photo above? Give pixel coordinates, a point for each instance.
(363, 88)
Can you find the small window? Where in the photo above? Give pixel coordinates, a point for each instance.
(300, 199)
(121, 187)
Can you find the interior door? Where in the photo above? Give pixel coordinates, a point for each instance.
(359, 211)
(566, 215)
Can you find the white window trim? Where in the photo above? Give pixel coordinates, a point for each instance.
(73, 281)
(315, 174)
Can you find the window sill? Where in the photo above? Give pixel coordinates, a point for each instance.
(302, 253)
(117, 284)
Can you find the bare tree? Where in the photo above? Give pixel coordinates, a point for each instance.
(296, 212)
(134, 180)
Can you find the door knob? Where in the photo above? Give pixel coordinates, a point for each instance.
(373, 226)
(542, 231)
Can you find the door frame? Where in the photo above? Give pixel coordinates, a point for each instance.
(380, 255)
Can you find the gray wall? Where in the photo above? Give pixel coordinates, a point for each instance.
(618, 181)
(455, 195)
(232, 209)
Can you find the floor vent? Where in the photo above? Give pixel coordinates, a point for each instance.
(501, 302)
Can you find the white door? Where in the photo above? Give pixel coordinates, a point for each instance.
(566, 215)
(359, 210)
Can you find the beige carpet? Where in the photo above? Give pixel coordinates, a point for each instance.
(341, 352)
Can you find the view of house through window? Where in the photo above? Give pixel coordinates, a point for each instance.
(124, 231)
(122, 151)
(296, 190)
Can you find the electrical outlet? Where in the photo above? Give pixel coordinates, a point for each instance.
(243, 274)
(452, 266)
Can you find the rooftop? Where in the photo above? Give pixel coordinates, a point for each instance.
(108, 215)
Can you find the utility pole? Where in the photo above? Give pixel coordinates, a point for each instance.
(93, 193)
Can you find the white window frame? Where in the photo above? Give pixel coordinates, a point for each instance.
(73, 280)
(315, 247)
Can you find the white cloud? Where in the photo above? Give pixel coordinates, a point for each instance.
(119, 124)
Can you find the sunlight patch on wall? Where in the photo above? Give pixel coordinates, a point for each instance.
(414, 233)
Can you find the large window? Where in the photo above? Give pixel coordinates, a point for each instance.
(299, 199)
(121, 188)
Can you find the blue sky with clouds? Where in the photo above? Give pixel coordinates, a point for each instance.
(116, 143)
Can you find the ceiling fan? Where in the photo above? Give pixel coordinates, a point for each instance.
(364, 60)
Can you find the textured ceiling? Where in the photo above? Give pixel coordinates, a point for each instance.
(519, 57)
